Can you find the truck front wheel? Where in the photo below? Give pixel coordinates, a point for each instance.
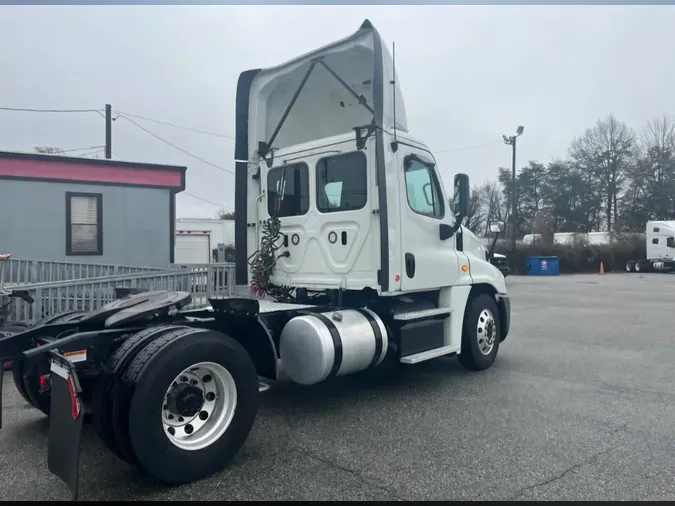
(194, 402)
(480, 335)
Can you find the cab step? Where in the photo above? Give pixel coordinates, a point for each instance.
(423, 313)
(428, 355)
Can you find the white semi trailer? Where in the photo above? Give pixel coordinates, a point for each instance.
(660, 237)
(350, 254)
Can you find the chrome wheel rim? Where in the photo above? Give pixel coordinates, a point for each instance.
(486, 331)
(199, 406)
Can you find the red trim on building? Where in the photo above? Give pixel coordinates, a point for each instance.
(83, 170)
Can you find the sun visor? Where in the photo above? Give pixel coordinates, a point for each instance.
(327, 92)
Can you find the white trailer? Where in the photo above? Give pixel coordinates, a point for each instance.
(192, 247)
(660, 237)
(220, 245)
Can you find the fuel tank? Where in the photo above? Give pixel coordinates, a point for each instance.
(318, 346)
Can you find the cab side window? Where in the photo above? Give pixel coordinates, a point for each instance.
(422, 188)
(288, 190)
(342, 183)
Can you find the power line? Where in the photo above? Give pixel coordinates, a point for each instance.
(208, 201)
(82, 149)
(15, 109)
(190, 129)
(84, 155)
(174, 146)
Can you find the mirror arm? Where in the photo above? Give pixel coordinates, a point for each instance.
(491, 251)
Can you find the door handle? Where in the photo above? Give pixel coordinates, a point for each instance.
(410, 265)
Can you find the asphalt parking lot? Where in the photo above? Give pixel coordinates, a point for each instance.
(578, 406)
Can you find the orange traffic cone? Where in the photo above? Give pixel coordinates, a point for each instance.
(602, 268)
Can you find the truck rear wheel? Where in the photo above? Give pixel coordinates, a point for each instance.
(30, 387)
(194, 402)
(480, 333)
(112, 398)
(644, 266)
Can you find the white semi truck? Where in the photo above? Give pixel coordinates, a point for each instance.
(660, 237)
(350, 253)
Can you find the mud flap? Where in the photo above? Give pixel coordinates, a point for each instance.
(2, 376)
(65, 423)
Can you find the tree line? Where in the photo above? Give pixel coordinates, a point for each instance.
(613, 179)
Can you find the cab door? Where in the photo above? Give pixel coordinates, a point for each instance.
(428, 261)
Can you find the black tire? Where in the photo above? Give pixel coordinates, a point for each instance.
(153, 371)
(644, 266)
(28, 386)
(630, 266)
(472, 357)
(110, 410)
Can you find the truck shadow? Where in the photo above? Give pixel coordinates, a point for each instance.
(390, 382)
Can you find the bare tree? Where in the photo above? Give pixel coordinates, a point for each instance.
(225, 215)
(605, 152)
(476, 217)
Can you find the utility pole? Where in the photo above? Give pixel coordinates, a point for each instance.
(514, 209)
(108, 131)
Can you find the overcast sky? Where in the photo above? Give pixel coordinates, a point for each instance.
(468, 74)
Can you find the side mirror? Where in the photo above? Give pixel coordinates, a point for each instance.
(497, 227)
(460, 198)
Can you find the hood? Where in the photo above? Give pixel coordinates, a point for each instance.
(330, 90)
(471, 244)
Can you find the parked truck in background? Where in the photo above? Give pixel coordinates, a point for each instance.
(350, 255)
(660, 237)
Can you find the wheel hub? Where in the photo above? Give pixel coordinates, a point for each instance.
(199, 406)
(486, 332)
(185, 400)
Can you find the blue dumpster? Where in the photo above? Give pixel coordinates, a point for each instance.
(542, 266)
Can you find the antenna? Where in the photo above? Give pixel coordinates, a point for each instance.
(394, 145)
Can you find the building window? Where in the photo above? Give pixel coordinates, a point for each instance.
(288, 190)
(84, 223)
(422, 188)
(342, 183)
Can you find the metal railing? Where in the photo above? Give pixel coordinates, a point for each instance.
(202, 281)
(20, 271)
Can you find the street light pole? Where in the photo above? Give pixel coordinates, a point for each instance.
(514, 209)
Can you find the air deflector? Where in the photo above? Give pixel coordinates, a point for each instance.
(327, 92)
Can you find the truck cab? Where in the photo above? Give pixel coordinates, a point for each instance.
(340, 199)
